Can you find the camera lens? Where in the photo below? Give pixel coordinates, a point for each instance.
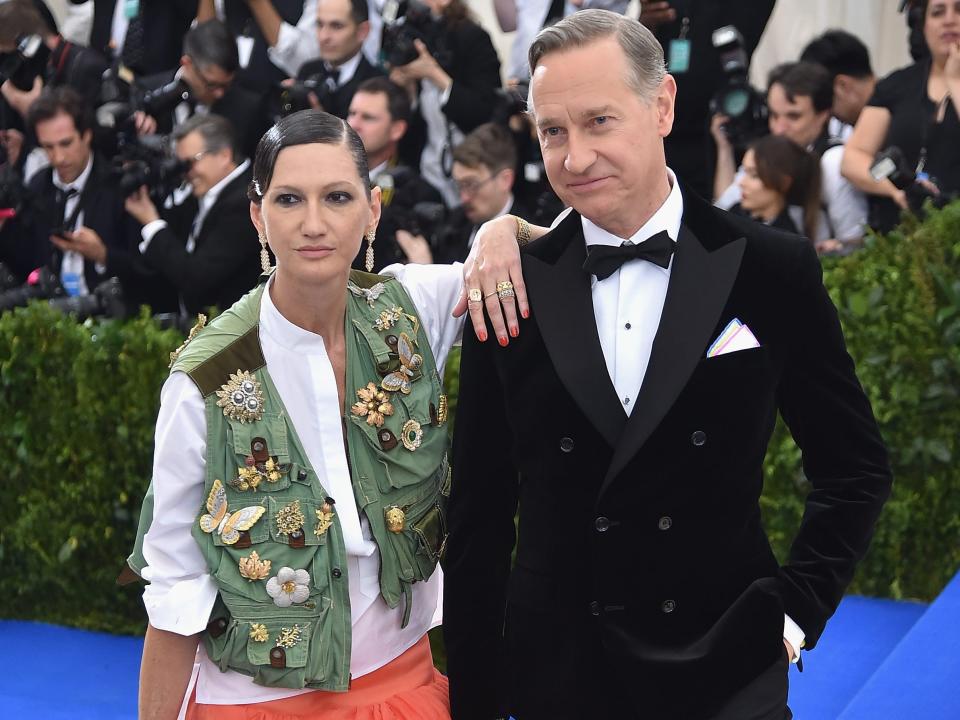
(735, 102)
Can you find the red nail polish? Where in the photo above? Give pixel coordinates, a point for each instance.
(526, 314)
(514, 332)
(503, 341)
(482, 336)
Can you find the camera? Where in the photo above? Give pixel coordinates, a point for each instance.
(890, 164)
(403, 22)
(296, 96)
(25, 63)
(106, 300)
(42, 284)
(737, 98)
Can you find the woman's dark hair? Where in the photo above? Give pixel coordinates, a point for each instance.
(304, 128)
(784, 166)
(456, 12)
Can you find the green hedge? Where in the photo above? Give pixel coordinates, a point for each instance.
(78, 402)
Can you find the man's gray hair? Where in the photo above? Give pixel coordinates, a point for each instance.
(217, 133)
(643, 51)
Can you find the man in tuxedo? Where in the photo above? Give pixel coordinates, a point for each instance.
(76, 224)
(380, 114)
(207, 74)
(342, 26)
(207, 250)
(628, 423)
(484, 169)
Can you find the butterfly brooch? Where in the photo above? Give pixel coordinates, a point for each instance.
(410, 364)
(227, 525)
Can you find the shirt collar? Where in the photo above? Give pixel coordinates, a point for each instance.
(347, 70)
(213, 193)
(285, 333)
(376, 172)
(77, 184)
(668, 217)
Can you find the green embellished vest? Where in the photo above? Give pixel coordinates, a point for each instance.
(269, 530)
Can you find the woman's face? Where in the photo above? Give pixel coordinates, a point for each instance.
(315, 212)
(755, 197)
(941, 27)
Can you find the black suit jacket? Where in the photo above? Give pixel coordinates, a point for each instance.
(338, 102)
(245, 109)
(103, 212)
(644, 584)
(454, 241)
(225, 263)
(165, 21)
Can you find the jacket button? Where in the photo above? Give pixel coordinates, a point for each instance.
(699, 438)
(566, 444)
(336, 572)
(665, 523)
(602, 524)
(668, 606)
(595, 608)
(301, 475)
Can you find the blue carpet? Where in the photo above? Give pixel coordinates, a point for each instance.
(921, 677)
(859, 664)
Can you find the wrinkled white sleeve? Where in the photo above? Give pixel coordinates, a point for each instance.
(181, 592)
(296, 43)
(731, 196)
(846, 205)
(435, 290)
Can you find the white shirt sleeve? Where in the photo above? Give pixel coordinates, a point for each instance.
(181, 592)
(296, 43)
(731, 196)
(793, 634)
(435, 290)
(148, 231)
(846, 206)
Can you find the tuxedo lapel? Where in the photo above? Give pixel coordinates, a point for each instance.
(700, 282)
(563, 309)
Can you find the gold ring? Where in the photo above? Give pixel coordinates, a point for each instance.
(504, 285)
(475, 295)
(490, 294)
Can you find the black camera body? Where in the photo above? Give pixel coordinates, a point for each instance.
(25, 63)
(405, 21)
(737, 98)
(296, 96)
(891, 164)
(41, 285)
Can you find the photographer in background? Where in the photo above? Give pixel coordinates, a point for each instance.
(207, 73)
(380, 114)
(800, 100)
(484, 171)
(342, 27)
(78, 226)
(206, 250)
(847, 60)
(451, 75)
(57, 62)
(915, 110)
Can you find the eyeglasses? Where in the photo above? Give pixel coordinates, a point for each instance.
(213, 85)
(196, 158)
(471, 187)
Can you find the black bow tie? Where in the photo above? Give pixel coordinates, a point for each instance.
(604, 260)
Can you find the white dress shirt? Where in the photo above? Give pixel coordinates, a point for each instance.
(72, 265)
(628, 305)
(181, 592)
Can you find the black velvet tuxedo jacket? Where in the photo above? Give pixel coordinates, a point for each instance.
(226, 261)
(644, 585)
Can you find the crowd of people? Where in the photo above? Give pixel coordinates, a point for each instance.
(450, 146)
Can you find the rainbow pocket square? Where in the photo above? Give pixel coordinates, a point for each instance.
(735, 336)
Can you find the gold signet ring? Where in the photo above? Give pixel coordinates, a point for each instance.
(475, 295)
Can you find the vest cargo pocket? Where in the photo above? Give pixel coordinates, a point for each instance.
(279, 651)
(262, 440)
(431, 532)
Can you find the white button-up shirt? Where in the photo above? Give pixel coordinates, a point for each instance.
(181, 592)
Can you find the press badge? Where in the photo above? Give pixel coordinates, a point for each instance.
(679, 61)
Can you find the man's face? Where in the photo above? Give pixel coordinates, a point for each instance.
(483, 193)
(338, 35)
(207, 83)
(796, 120)
(850, 96)
(206, 168)
(67, 150)
(602, 144)
(370, 117)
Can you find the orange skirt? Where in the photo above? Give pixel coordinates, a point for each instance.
(407, 688)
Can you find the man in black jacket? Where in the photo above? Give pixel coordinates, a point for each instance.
(207, 250)
(77, 226)
(207, 74)
(342, 26)
(628, 423)
(380, 113)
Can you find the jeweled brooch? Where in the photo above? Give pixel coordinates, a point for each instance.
(200, 325)
(241, 397)
(289, 586)
(324, 517)
(258, 632)
(388, 318)
(374, 405)
(396, 519)
(410, 363)
(290, 519)
(411, 435)
(227, 525)
(253, 568)
(369, 294)
(288, 637)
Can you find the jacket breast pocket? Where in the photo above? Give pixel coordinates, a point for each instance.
(753, 359)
